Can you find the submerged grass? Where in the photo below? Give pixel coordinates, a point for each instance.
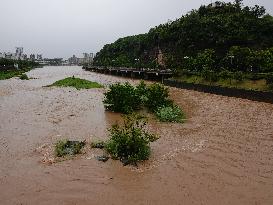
(76, 83)
(170, 114)
(66, 147)
(12, 73)
(24, 77)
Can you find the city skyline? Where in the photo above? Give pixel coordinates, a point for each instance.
(73, 27)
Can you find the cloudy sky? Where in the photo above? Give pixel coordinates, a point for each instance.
(61, 28)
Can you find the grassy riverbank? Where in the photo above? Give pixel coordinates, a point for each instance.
(247, 84)
(8, 70)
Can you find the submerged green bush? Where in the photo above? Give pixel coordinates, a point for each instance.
(24, 77)
(66, 147)
(131, 142)
(126, 98)
(170, 114)
(157, 96)
(141, 91)
(122, 98)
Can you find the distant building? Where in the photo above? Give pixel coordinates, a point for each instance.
(10, 56)
(2, 55)
(87, 58)
(19, 52)
(73, 60)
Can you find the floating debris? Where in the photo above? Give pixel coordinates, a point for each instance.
(102, 158)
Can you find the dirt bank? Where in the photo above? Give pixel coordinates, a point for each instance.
(223, 154)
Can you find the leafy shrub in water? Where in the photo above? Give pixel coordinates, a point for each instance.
(131, 142)
(122, 98)
(170, 114)
(24, 77)
(126, 99)
(66, 147)
(141, 91)
(157, 96)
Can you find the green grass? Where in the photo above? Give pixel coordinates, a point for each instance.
(66, 147)
(12, 73)
(76, 83)
(246, 84)
(170, 114)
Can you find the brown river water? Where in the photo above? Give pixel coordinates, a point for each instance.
(223, 154)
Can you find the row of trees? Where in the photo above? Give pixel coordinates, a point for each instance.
(217, 31)
(21, 63)
(237, 58)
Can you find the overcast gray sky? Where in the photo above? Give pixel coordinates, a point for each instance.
(61, 28)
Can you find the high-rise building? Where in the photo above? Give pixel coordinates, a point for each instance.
(19, 52)
(87, 58)
(73, 60)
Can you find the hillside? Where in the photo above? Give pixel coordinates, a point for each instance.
(219, 36)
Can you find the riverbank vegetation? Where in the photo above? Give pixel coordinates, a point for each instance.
(260, 82)
(8, 70)
(76, 83)
(226, 38)
(126, 98)
(24, 77)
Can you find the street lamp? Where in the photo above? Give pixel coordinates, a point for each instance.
(186, 63)
(137, 60)
(231, 58)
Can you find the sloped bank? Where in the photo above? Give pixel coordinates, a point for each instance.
(260, 96)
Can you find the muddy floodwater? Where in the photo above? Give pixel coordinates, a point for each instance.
(223, 154)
